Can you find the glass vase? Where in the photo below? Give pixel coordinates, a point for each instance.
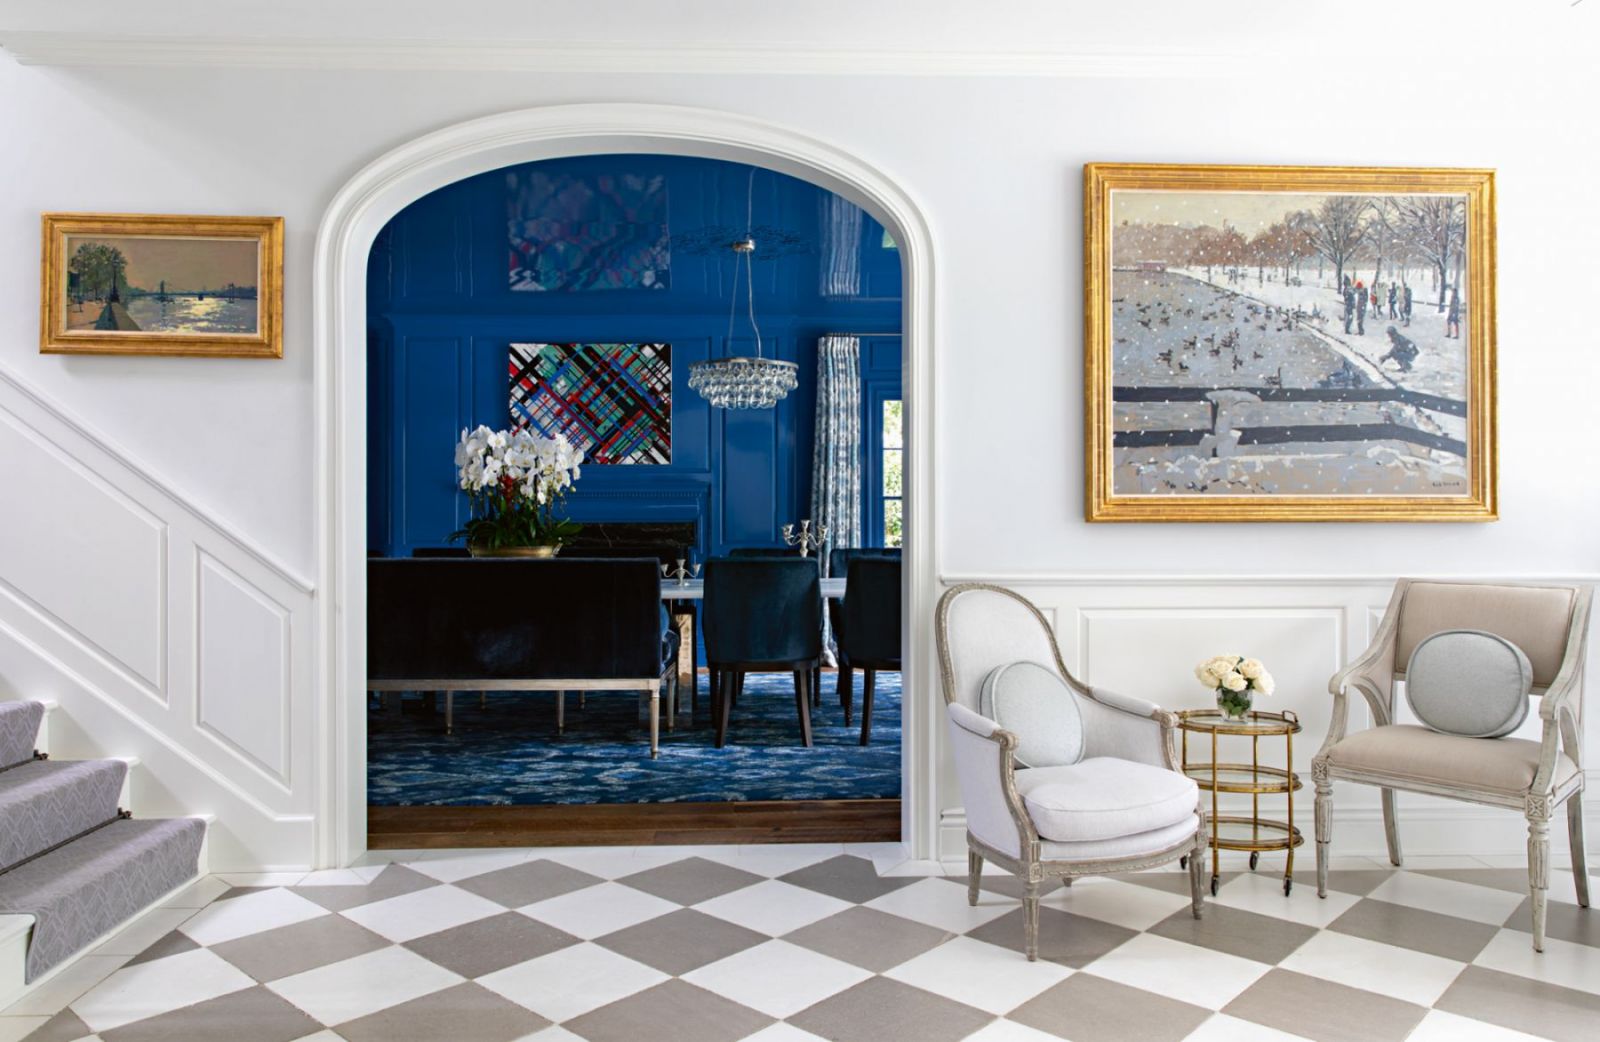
(1235, 705)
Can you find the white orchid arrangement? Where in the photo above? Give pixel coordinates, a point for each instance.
(1235, 679)
(517, 481)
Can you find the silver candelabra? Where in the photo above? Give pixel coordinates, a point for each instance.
(807, 539)
(682, 574)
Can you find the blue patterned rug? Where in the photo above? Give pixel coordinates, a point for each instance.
(509, 753)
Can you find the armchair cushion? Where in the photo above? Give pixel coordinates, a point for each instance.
(1469, 683)
(1104, 798)
(1036, 705)
(1140, 843)
(1407, 752)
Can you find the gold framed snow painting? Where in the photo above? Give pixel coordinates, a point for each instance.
(1288, 343)
(129, 284)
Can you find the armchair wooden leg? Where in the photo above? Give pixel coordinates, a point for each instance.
(694, 669)
(672, 700)
(869, 679)
(1030, 919)
(1197, 873)
(1580, 860)
(724, 704)
(1391, 827)
(1324, 823)
(655, 721)
(561, 712)
(847, 685)
(449, 712)
(974, 875)
(1538, 872)
(816, 687)
(802, 701)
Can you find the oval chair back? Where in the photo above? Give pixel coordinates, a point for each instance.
(868, 634)
(762, 614)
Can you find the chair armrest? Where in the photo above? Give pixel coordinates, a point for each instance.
(1128, 728)
(996, 816)
(1372, 673)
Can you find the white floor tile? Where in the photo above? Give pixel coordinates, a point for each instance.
(337, 877)
(773, 907)
(261, 878)
(150, 988)
(1439, 1026)
(354, 988)
(252, 913)
(1562, 962)
(1185, 972)
(151, 927)
(197, 894)
(1009, 1031)
(456, 866)
(60, 991)
(891, 869)
(1264, 896)
(943, 903)
(1433, 862)
(781, 1032)
(553, 1034)
(775, 859)
(571, 982)
(1223, 1028)
(598, 910)
(15, 1029)
(321, 1036)
(778, 978)
(981, 975)
(1447, 897)
(1400, 973)
(422, 912)
(1112, 901)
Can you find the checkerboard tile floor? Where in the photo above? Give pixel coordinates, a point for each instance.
(789, 944)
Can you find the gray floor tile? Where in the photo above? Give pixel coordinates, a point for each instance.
(1513, 879)
(681, 941)
(1171, 882)
(868, 938)
(1523, 1004)
(526, 883)
(691, 880)
(1263, 938)
(1564, 922)
(1357, 882)
(1446, 936)
(670, 1012)
(486, 945)
(65, 1026)
(240, 891)
(997, 881)
(274, 954)
(466, 1011)
(1071, 940)
(252, 1015)
(882, 1010)
(174, 943)
(1324, 1011)
(1086, 1008)
(393, 881)
(847, 878)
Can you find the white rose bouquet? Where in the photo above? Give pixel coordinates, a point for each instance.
(517, 481)
(1236, 681)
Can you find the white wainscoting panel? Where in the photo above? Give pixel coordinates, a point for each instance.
(242, 670)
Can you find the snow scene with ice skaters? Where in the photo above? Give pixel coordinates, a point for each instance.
(1275, 343)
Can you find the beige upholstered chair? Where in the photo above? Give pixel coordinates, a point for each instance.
(1125, 806)
(1550, 624)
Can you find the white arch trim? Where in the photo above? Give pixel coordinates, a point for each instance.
(407, 173)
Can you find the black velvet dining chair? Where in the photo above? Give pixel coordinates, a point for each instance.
(762, 615)
(869, 634)
(839, 568)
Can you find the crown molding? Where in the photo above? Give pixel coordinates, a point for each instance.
(84, 49)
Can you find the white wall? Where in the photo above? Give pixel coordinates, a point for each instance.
(995, 163)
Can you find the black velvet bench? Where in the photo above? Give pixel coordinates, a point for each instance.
(498, 624)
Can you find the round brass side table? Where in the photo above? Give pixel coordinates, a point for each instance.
(1236, 832)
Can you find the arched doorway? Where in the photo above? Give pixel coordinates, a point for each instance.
(400, 177)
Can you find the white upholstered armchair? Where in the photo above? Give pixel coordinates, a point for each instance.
(1550, 624)
(1123, 807)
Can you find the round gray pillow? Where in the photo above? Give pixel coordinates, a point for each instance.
(1036, 705)
(1469, 683)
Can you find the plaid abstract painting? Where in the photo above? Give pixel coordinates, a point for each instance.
(613, 401)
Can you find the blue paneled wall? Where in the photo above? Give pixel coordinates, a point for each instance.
(441, 316)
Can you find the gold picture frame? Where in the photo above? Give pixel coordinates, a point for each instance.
(1215, 391)
(161, 284)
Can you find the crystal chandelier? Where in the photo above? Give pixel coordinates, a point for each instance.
(741, 381)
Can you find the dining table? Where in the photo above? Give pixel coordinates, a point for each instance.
(695, 589)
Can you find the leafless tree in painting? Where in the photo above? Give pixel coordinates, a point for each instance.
(1435, 226)
(1338, 230)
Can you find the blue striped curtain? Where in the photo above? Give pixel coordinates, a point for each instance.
(836, 453)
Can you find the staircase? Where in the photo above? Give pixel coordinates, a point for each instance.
(74, 863)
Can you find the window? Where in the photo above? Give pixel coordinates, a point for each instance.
(893, 449)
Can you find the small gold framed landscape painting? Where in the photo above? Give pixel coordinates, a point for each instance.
(1288, 343)
(130, 284)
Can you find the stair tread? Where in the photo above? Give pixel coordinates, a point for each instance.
(84, 889)
(46, 802)
(19, 729)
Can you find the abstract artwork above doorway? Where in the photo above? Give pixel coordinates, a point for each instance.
(613, 401)
(575, 233)
(1289, 343)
